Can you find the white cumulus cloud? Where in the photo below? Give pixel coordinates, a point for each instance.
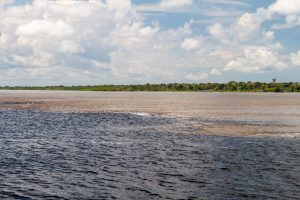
(288, 8)
(295, 57)
(216, 72)
(197, 76)
(256, 60)
(190, 43)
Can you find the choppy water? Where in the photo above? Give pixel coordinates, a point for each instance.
(126, 156)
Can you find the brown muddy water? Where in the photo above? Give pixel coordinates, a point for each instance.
(236, 113)
(147, 145)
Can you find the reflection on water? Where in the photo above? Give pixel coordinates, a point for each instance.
(126, 156)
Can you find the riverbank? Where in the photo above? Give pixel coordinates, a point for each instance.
(231, 86)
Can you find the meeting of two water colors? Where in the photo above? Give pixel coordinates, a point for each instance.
(51, 155)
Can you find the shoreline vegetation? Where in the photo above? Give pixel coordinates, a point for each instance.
(231, 86)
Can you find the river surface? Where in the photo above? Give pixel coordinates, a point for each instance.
(257, 113)
(106, 155)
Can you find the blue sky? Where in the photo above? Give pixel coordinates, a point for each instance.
(130, 42)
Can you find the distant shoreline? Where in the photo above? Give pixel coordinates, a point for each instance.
(231, 86)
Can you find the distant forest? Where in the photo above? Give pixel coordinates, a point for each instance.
(231, 86)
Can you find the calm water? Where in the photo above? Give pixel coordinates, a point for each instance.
(125, 156)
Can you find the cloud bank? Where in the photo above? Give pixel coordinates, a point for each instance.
(98, 42)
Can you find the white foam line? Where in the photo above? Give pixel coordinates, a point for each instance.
(289, 135)
(280, 135)
(134, 113)
(140, 113)
(174, 116)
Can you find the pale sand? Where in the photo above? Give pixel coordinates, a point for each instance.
(281, 110)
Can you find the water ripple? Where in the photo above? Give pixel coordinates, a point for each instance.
(128, 156)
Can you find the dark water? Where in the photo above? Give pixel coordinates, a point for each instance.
(127, 156)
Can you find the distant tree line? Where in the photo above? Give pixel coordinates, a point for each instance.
(231, 86)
